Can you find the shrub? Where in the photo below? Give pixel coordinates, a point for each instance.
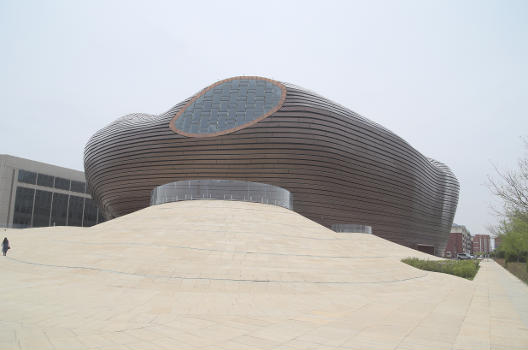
(462, 268)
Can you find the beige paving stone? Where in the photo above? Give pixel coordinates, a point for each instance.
(141, 345)
(515, 341)
(239, 323)
(168, 343)
(94, 340)
(7, 335)
(329, 336)
(120, 337)
(32, 338)
(297, 344)
(470, 343)
(506, 346)
(475, 331)
(283, 331)
(252, 342)
(370, 344)
(232, 275)
(419, 343)
(6, 344)
(66, 343)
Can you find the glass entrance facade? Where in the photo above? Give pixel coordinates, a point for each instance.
(45, 200)
(38, 208)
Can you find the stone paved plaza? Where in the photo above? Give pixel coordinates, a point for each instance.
(234, 275)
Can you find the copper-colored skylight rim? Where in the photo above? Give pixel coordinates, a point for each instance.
(228, 131)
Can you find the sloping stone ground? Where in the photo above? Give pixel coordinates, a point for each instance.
(233, 275)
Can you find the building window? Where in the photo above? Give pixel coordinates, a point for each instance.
(27, 177)
(23, 207)
(62, 184)
(75, 211)
(45, 180)
(90, 213)
(59, 210)
(42, 211)
(77, 186)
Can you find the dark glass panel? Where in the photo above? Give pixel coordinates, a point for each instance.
(100, 217)
(45, 180)
(59, 209)
(63, 184)
(77, 186)
(23, 207)
(75, 211)
(42, 211)
(28, 177)
(90, 212)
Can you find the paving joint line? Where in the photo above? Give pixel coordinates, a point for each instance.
(88, 268)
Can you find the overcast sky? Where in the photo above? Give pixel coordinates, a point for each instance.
(450, 77)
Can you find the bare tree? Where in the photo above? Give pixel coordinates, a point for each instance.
(512, 187)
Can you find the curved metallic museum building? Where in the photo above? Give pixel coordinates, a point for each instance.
(339, 167)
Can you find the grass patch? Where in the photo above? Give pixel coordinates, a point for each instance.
(518, 269)
(461, 268)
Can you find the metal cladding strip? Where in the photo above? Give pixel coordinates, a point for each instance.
(340, 167)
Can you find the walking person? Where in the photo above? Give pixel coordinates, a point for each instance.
(5, 246)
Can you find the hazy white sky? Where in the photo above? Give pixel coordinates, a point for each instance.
(450, 77)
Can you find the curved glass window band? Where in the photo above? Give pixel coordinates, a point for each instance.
(233, 190)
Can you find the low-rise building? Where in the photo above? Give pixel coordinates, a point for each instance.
(497, 242)
(459, 241)
(481, 244)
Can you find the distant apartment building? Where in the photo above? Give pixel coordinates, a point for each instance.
(459, 241)
(497, 242)
(481, 244)
(35, 194)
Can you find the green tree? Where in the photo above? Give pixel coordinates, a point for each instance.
(517, 239)
(513, 232)
(512, 188)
